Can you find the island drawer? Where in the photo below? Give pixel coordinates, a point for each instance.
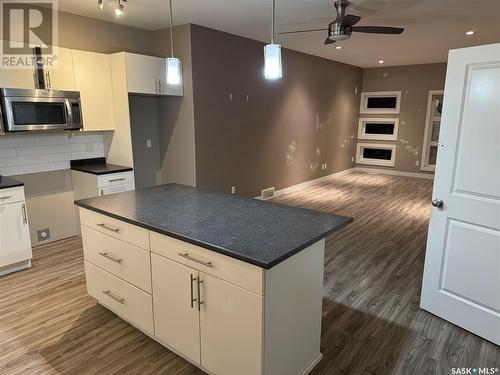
(115, 228)
(124, 299)
(245, 275)
(113, 179)
(124, 260)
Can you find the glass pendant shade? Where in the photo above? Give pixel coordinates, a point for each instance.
(272, 61)
(174, 70)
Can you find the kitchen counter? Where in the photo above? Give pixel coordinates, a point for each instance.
(6, 182)
(257, 232)
(97, 166)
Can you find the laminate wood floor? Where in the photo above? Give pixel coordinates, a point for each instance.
(372, 323)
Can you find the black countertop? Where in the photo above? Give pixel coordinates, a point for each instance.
(97, 166)
(6, 182)
(254, 231)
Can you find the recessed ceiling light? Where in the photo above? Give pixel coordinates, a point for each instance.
(381, 61)
(470, 33)
(338, 47)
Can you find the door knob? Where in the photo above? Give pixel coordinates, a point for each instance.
(437, 203)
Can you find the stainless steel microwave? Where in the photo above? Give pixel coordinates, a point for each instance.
(28, 110)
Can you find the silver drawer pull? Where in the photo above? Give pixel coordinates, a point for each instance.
(107, 256)
(115, 297)
(6, 197)
(187, 256)
(108, 227)
(117, 179)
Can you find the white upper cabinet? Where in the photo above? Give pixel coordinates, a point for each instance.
(60, 76)
(147, 75)
(17, 78)
(93, 80)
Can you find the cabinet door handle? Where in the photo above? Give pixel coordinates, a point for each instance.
(200, 302)
(193, 300)
(108, 227)
(115, 297)
(25, 216)
(117, 179)
(35, 81)
(156, 84)
(159, 86)
(187, 256)
(107, 256)
(6, 197)
(47, 78)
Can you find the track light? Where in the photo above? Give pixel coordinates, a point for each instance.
(100, 4)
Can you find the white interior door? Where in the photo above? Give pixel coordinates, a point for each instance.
(462, 266)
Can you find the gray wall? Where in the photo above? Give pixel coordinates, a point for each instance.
(144, 126)
(414, 82)
(286, 129)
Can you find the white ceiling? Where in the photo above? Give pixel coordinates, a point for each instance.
(432, 27)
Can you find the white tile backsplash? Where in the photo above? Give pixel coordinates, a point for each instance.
(24, 153)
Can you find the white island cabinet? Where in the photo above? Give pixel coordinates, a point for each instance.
(225, 315)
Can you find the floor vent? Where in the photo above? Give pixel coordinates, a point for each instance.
(267, 193)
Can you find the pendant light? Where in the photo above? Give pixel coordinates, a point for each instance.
(272, 54)
(174, 65)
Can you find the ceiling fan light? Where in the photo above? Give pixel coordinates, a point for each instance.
(339, 37)
(174, 69)
(272, 62)
(100, 4)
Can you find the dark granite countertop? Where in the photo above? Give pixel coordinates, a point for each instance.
(254, 231)
(97, 166)
(6, 182)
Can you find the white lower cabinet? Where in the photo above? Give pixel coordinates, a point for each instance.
(176, 313)
(15, 242)
(231, 328)
(226, 316)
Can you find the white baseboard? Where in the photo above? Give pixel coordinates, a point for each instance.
(313, 364)
(306, 184)
(393, 172)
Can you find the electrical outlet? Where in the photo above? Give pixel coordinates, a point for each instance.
(352, 159)
(233, 189)
(417, 163)
(148, 143)
(43, 234)
(267, 193)
(90, 147)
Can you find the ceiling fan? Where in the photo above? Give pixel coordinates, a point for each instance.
(342, 27)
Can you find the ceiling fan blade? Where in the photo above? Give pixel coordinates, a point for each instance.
(301, 31)
(329, 41)
(350, 20)
(377, 29)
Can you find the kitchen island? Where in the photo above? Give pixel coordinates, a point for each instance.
(234, 285)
